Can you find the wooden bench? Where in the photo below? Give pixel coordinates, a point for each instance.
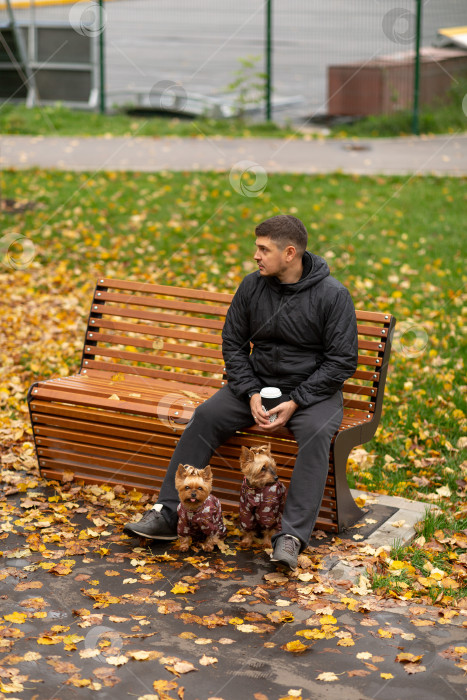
(151, 354)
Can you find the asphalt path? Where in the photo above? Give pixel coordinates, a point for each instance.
(440, 155)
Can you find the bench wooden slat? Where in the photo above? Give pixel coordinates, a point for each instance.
(82, 453)
(113, 464)
(130, 390)
(100, 402)
(147, 287)
(144, 384)
(377, 316)
(48, 411)
(372, 331)
(144, 343)
(326, 525)
(354, 416)
(357, 389)
(174, 333)
(155, 317)
(372, 376)
(161, 360)
(362, 405)
(164, 406)
(133, 473)
(163, 303)
(370, 361)
(75, 436)
(377, 346)
(155, 373)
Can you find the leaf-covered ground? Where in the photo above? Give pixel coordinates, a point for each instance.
(85, 608)
(397, 243)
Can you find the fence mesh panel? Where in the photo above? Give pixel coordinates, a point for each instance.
(151, 43)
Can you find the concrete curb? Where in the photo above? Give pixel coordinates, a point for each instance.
(409, 513)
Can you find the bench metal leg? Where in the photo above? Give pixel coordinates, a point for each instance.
(348, 513)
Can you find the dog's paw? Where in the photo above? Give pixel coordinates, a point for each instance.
(247, 540)
(209, 544)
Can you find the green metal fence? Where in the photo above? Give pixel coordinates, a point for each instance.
(333, 60)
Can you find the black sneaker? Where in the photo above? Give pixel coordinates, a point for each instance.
(152, 525)
(286, 551)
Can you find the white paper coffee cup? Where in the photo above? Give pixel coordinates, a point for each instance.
(270, 397)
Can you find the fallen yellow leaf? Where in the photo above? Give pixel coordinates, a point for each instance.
(17, 617)
(327, 676)
(406, 657)
(207, 660)
(117, 660)
(296, 647)
(384, 633)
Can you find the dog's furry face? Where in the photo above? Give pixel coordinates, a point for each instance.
(258, 466)
(193, 485)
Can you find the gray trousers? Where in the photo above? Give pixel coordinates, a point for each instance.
(217, 419)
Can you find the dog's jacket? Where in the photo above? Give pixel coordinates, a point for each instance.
(261, 508)
(205, 521)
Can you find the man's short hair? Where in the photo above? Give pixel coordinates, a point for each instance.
(284, 230)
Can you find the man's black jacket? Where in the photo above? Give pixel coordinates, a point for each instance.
(304, 335)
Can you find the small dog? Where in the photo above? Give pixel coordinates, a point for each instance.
(199, 511)
(262, 495)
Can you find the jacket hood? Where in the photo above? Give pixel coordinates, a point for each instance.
(316, 269)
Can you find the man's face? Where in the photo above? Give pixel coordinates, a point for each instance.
(270, 258)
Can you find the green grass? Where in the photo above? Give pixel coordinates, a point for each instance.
(434, 521)
(58, 120)
(436, 548)
(444, 117)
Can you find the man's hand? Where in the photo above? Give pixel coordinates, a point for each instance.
(283, 410)
(260, 417)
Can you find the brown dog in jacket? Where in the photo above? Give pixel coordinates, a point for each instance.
(199, 511)
(262, 495)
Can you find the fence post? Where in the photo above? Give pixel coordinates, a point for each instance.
(268, 82)
(101, 59)
(27, 76)
(416, 89)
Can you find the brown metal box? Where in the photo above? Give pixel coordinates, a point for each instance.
(386, 84)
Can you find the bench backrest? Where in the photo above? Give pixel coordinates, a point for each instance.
(174, 333)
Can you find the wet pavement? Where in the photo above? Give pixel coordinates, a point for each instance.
(107, 614)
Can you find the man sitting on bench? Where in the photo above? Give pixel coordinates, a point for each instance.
(301, 322)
